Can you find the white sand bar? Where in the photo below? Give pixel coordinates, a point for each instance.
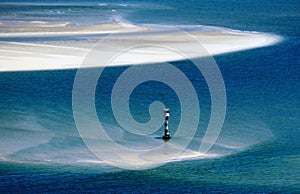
(52, 55)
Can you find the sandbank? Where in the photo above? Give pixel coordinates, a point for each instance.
(54, 55)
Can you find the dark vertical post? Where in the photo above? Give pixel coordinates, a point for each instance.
(167, 133)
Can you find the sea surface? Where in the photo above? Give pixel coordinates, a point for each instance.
(258, 150)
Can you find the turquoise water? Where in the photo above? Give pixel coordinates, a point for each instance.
(258, 149)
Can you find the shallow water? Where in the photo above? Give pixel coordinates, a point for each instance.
(258, 148)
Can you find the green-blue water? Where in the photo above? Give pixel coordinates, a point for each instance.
(40, 149)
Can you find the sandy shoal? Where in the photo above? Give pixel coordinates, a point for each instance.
(27, 56)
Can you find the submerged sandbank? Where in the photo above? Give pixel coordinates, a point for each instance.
(51, 55)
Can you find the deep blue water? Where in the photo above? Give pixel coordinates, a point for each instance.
(40, 144)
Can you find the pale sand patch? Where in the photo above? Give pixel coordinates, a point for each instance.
(43, 24)
(44, 29)
(67, 55)
(134, 159)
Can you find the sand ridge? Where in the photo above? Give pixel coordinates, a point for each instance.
(53, 55)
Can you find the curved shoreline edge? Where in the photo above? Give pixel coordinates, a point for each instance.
(55, 55)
